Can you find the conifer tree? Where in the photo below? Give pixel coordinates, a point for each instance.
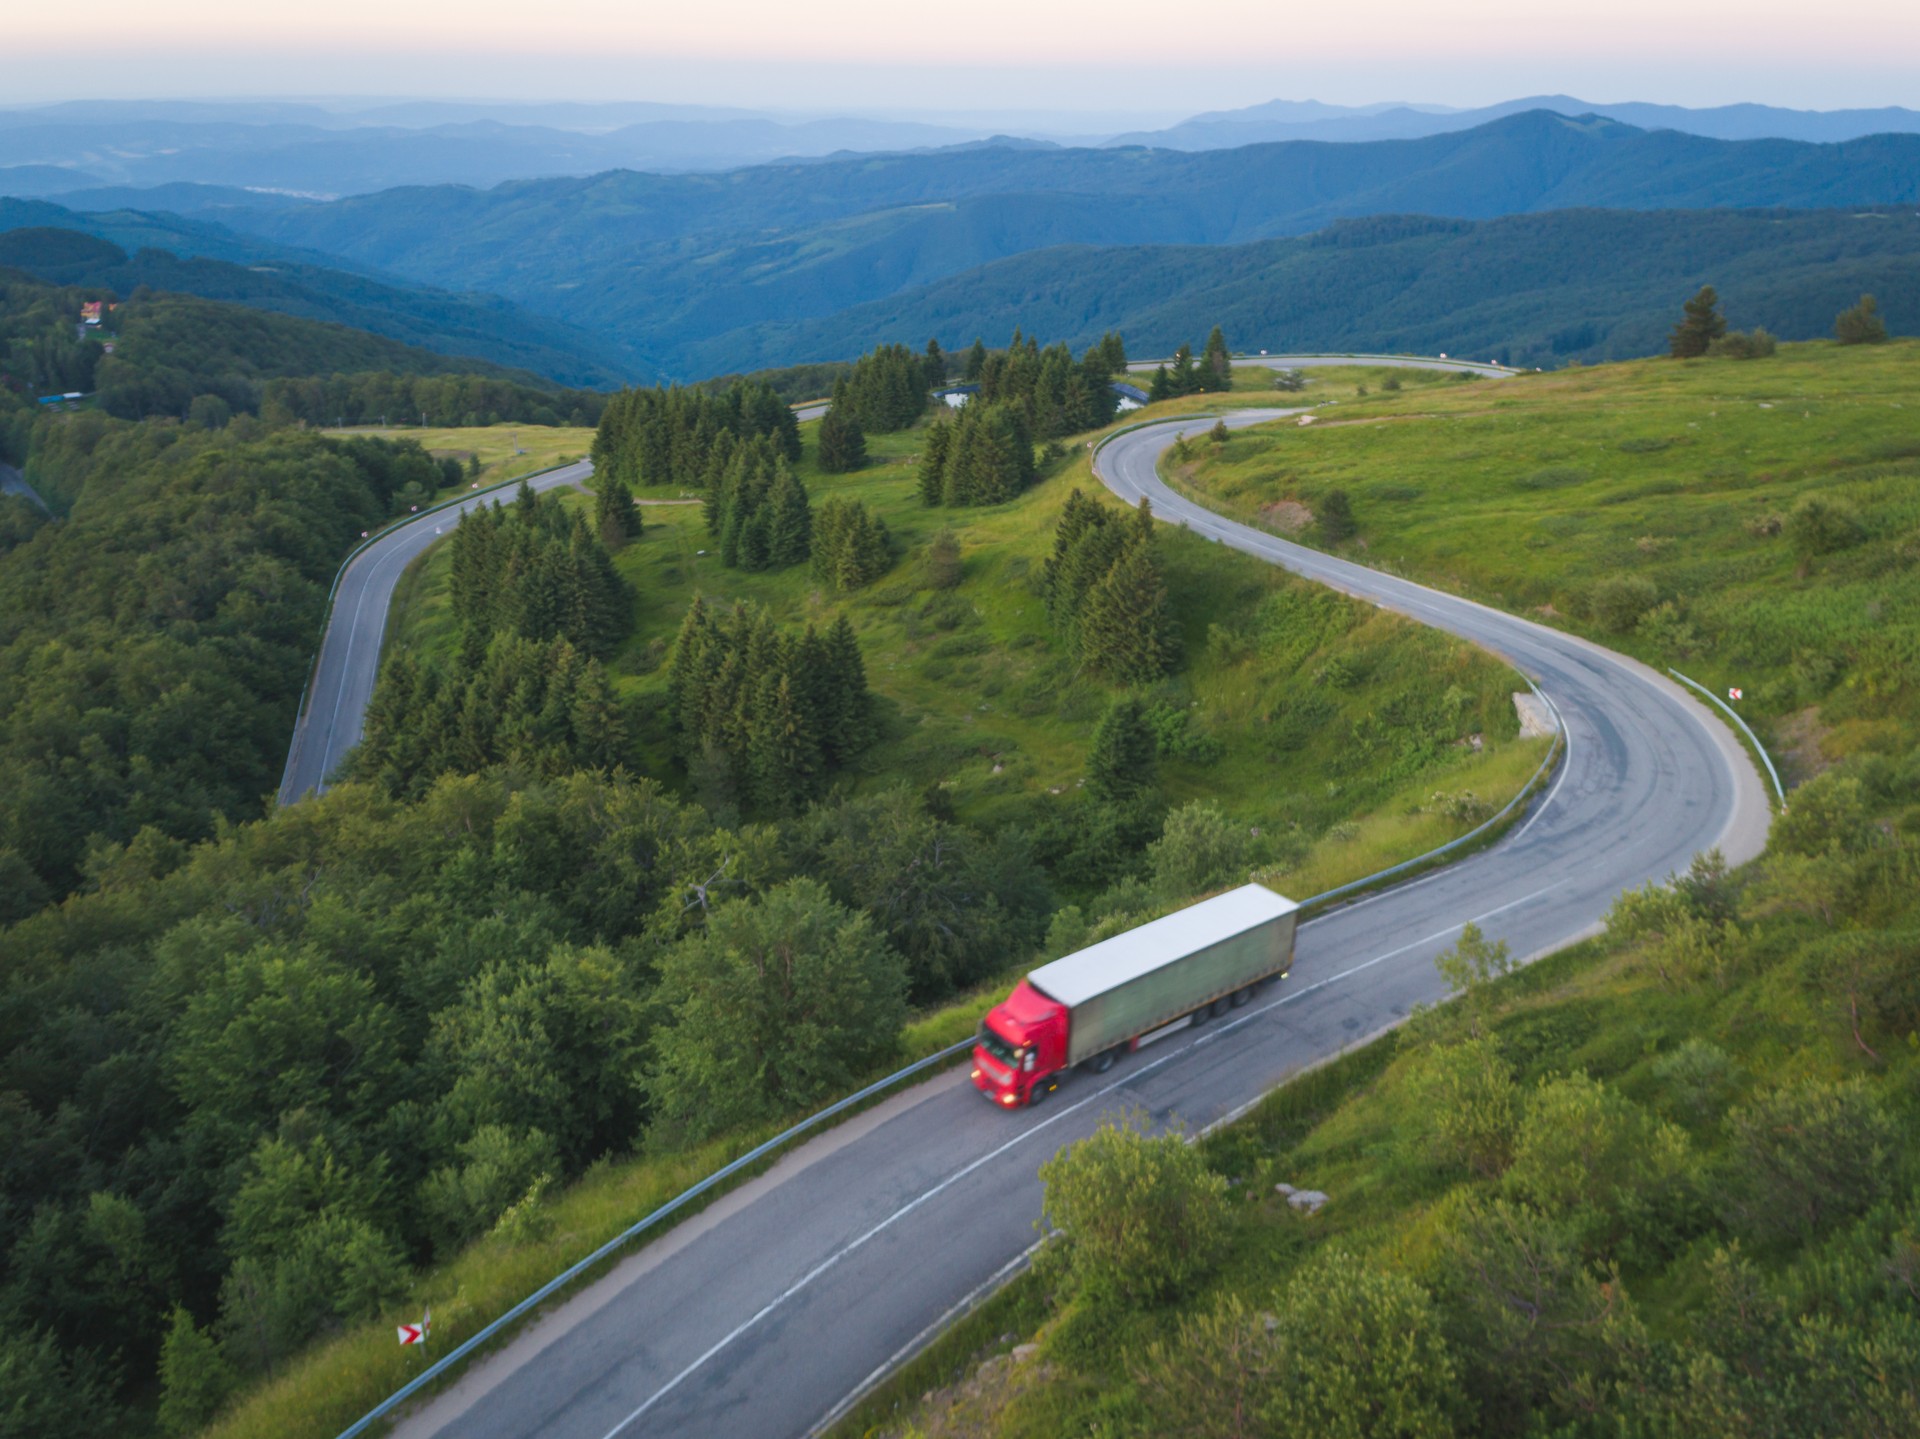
(1162, 386)
(1701, 325)
(616, 518)
(1216, 364)
(1860, 325)
(976, 360)
(1121, 759)
(843, 447)
(933, 462)
(1125, 626)
(789, 519)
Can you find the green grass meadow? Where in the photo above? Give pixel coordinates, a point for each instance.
(1540, 493)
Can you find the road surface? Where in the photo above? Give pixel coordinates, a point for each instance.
(759, 1317)
(336, 701)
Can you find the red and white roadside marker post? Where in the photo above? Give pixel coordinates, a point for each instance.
(417, 1333)
(1734, 693)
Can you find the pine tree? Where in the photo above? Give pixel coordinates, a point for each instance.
(1162, 386)
(976, 360)
(1125, 629)
(1861, 325)
(783, 752)
(934, 364)
(1216, 364)
(615, 516)
(933, 463)
(789, 519)
(1078, 515)
(1121, 760)
(843, 447)
(847, 722)
(1701, 326)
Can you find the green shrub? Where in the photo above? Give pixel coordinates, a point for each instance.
(1806, 1155)
(1861, 325)
(1468, 1107)
(1820, 525)
(1143, 1219)
(1754, 344)
(1618, 601)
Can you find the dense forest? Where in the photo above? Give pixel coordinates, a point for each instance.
(158, 354)
(686, 437)
(153, 642)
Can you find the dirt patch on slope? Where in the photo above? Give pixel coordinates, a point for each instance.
(1800, 744)
(1289, 517)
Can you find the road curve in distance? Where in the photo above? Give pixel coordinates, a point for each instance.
(333, 717)
(760, 1316)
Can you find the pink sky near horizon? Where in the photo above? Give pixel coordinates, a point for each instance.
(855, 52)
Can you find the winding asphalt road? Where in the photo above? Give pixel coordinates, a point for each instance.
(333, 714)
(759, 1317)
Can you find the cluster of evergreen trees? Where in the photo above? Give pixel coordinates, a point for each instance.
(1212, 373)
(757, 509)
(1054, 394)
(1105, 592)
(850, 545)
(539, 606)
(540, 706)
(887, 387)
(984, 456)
(674, 437)
(763, 716)
(535, 570)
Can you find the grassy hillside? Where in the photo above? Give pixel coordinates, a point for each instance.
(1336, 740)
(670, 260)
(1667, 508)
(1656, 1184)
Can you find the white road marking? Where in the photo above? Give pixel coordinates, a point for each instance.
(1032, 1129)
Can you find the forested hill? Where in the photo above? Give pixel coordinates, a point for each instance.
(1530, 290)
(673, 260)
(163, 252)
(170, 351)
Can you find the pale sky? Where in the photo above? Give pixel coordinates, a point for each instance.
(1158, 55)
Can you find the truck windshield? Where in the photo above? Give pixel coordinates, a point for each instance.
(998, 1047)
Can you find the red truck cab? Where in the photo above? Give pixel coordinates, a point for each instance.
(1022, 1048)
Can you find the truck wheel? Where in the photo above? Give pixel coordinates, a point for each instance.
(1220, 1006)
(1241, 996)
(1201, 1015)
(1103, 1061)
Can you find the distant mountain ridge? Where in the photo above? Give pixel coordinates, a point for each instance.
(669, 262)
(341, 148)
(1292, 120)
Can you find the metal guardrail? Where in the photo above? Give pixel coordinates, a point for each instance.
(627, 1236)
(1734, 715)
(760, 1151)
(1471, 835)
